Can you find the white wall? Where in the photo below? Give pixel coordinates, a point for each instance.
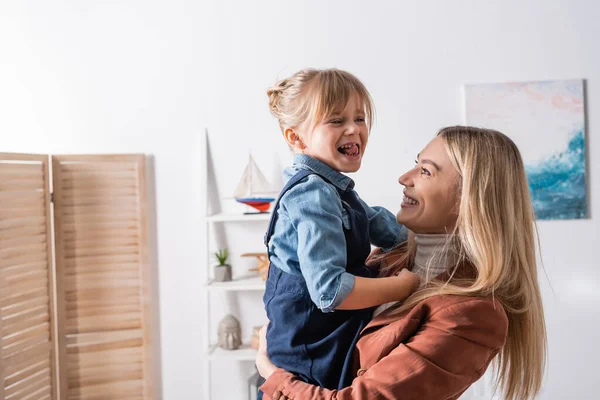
(148, 76)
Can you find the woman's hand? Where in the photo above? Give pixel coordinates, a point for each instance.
(263, 364)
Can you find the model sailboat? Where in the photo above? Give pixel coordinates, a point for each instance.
(254, 190)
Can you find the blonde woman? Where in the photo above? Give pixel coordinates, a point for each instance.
(467, 204)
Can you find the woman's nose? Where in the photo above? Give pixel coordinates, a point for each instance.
(406, 179)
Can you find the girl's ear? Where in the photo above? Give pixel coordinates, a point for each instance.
(294, 140)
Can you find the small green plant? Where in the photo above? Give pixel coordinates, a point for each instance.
(222, 256)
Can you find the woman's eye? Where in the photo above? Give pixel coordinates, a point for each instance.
(424, 171)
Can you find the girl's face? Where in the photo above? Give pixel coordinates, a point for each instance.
(431, 195)
(339, 140)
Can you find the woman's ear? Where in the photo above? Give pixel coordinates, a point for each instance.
(294, 140)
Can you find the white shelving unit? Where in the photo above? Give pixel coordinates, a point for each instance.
(244, 283)
(250, 283)
(238, 217)
(238, 284)
(244, 353)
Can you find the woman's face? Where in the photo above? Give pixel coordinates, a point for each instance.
(431, 195)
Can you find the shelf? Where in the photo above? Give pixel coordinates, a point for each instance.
(243, 283)
(244, 353)
(238, 217)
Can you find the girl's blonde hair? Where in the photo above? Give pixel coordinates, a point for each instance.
(496, 240)
(314, 94)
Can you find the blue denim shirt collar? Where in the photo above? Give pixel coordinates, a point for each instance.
(338, 179)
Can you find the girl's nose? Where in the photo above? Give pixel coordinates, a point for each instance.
(353, 128)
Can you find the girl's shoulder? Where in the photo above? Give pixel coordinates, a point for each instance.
(312, 187)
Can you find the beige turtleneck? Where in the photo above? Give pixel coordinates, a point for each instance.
(432, 257)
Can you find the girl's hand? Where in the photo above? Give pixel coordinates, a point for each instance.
(411, 278)
(263, 364)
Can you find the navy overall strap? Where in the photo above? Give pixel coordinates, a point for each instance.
(290, 184)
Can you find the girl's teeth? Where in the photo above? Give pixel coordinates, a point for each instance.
(349, 149)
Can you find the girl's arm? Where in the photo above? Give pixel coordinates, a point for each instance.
(371, 292)
(384, 230)
(451, 351)
(314, 210)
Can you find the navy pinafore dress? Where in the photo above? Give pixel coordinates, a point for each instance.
(317, 346)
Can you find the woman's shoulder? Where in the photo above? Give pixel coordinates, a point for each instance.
(482, 316)
(440, 307)
(446, 301)
(460, 320)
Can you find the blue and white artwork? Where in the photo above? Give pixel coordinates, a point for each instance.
(547, 122)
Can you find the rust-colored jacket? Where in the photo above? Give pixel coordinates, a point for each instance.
(435, 350)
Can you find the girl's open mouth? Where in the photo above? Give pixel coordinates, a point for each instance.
(350, 149)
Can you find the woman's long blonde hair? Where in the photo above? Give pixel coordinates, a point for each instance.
(496, 240)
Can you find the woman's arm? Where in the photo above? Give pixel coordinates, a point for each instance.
(450, 352)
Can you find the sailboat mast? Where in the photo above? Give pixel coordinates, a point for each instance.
(249, 177)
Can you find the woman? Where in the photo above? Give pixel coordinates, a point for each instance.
(467, 203)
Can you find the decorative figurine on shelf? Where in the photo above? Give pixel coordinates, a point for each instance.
(254, 190)
(223, 270)
(255, 337)
(230, 333)
(263, 264)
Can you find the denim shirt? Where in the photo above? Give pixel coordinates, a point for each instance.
(308, 237)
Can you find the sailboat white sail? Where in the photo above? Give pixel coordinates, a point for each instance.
(254, 189)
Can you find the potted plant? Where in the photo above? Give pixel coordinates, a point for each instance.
(223, 270)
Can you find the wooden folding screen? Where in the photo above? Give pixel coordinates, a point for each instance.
(78, 328)
(102, 282)
(27, 345)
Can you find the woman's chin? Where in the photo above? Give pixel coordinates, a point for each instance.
(406, 216)
(406, 222)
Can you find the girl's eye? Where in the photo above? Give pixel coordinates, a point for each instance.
(335, 121)
(360, 119)
(425, 172)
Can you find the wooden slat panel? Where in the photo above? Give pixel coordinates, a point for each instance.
(33, 288)
(18, 307)
(10, 272)
(30, 333)
(27, 352)
(19, 367)
(32, 389)
(23, 322)
(20, 259)
(21, 184)
(101, 257)
(8, 223)
(32, 368)
(23, 241)
(22, 232)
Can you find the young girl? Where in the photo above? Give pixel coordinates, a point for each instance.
(319, 293)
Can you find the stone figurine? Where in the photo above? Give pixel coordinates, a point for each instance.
(230, 333)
